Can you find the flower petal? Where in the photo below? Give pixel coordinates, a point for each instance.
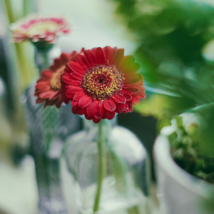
(119, 99)
(132, 89)
(119, 56)
(132, 79)
(69, 80)
(110, 54)
(100, 56)
(72, 90)
(54, 95)
(120, 108)
(78, 95)
(74, 67)
(128, 96)
(39, 100)
(109, 105)
(99, 112)
(74, 105)
(47, 75)
(92, 108)
(105, 114)
(95, 120)
(111, 115)
(135, 99)
(77, 76)
(90, 58)
(84, 101)
(46, 94)
(82, 61)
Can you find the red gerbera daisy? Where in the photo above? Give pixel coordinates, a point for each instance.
(101, 82)
(49, 88)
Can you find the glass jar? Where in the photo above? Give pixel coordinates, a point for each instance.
(48, 129)
(124, 187)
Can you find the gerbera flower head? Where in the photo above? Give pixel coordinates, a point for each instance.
(39, 29)
(49, 88)
(101, 82)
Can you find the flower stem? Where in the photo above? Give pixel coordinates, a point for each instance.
(41, 60)
(102, 165)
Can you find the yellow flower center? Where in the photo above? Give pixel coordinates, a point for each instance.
(56, 79)
(103, 82)
(42, 27)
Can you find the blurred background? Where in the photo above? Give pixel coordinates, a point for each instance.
(173, 40)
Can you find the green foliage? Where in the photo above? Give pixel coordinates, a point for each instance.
(171, 36)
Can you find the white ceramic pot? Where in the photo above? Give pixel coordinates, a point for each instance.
(178, 191)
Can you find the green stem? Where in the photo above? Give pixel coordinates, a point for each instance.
(102, 165)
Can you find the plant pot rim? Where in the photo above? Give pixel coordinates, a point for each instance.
(164, 159)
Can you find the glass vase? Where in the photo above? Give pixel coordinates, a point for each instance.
(48, 129)
(111, 177)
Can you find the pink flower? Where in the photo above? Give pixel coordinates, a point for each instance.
(39, 28)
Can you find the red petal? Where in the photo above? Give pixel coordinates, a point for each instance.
(77, 76)
(84, 101)
(74, 89)
(90, 58)
(99, 112)
(105, 114)
(126, 108)
(119, 99)
(42, 85)
(58, 103)
(46, 74)
(120, 108)
(82, 61)
(109, 105)
(67, 78)
(65, 57)
(96, 120)
(100, 56)
(73, 54)
(111, 115)
(108, 52)
(81, 111)
(74, 105)
(78, 95)
(92, 109)
(39, 100)
(135, 99)
(71, 90)
(75, 67)
(48, 103)
(76, 109)
(130, 108)
(54, 96)
(46, 95)
(127, 96)
(57, 62)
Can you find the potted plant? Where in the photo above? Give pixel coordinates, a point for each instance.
(184, 166)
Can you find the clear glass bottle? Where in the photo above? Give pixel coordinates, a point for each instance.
(125, 186)
(48, 129)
